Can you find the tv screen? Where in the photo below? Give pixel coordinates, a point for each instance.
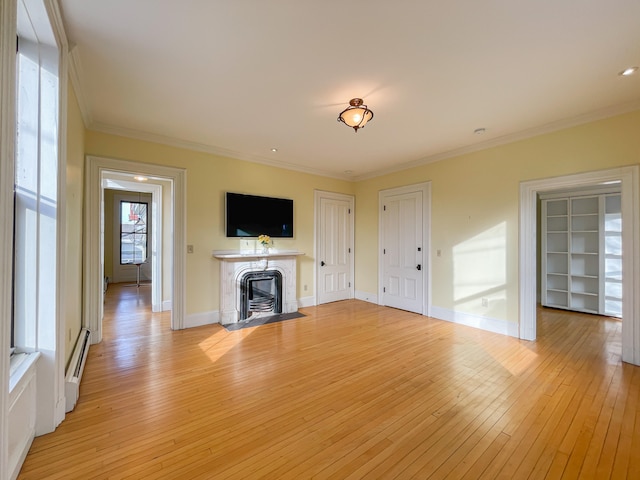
(251, 215)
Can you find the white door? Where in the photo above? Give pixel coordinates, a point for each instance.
(402, 251)
(334, 247)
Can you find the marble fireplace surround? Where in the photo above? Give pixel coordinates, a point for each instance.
(235, 263)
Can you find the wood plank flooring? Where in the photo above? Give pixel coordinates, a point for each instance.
(351, 391)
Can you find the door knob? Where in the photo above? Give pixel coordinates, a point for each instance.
(322, 263)
(419, 267)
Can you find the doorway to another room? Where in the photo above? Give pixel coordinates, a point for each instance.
(167, 248)
(627, 178)
(128, 237)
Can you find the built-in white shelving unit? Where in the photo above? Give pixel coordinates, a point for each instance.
(581, 252)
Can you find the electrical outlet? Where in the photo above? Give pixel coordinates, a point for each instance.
(305, 288)
(438, 253)
(189, 248)
(485, 302)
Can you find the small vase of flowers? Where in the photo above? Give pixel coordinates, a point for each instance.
(265, 242)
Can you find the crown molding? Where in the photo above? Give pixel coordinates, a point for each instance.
(495, 142)
(200, 147)
(57, 25)
(76, 75)
(511, 138)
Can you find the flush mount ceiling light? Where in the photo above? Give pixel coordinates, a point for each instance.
(140, 178)
(356, 115)
(628, 71)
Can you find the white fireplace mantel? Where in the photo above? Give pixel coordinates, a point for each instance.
(235, 263)
(240, 254)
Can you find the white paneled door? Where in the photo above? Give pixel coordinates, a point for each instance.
(402, 251)
(334, 247)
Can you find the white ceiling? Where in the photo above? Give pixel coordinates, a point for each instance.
(239, 77)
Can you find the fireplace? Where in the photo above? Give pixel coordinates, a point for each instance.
(260, 293)
(256, 283)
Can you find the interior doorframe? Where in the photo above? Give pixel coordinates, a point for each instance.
(318, 196)
(628, 178)
(156, 230)
(425, 188)
(93, 269)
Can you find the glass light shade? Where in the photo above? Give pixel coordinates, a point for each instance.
(356, 115)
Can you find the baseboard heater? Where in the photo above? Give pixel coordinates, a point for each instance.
(74, 371)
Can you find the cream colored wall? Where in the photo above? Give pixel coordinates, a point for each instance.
(167, 240)
(475, 209)
(74, 216)
(108, 233)
(208, 178)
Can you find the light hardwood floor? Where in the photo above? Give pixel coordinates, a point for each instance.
(351, 391)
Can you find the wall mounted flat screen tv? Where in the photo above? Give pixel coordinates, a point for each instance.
(251, 215)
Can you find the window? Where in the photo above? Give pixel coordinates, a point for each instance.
(133, 232)
(35, 195)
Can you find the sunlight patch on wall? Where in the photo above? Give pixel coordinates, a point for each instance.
(480, 271)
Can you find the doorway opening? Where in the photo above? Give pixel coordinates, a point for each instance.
(529, 191)
(169, 281)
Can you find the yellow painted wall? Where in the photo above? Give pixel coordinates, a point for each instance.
(475, 209)
(74, 222)
(108, 234)
(208, 178)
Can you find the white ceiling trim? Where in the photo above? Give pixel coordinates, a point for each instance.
(199, 147)
(514, 137)
(506, 139)
(76, 75)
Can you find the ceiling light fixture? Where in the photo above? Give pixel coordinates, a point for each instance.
(628, 71)
(140, 178)
(479, 131)
(356, 115)
(274, 150)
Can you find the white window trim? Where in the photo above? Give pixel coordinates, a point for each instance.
(8, 21)
(50, 407)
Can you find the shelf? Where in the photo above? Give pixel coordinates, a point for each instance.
(558, 283)
(587, 278)
(585, 223)
(584, 205)
(557, 299)
(585, 285)
(557, 207)
(558, 224)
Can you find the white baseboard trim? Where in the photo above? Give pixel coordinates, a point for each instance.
(167, 305)
(200, 319)
(307, 302)
(477, 321)
(366, 297)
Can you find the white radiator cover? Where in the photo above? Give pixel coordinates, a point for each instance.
(76, 367)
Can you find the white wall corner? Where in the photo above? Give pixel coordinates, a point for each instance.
(476, 321)
(202, 318)
(166, 305)
(304, 302)
(366, 297)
